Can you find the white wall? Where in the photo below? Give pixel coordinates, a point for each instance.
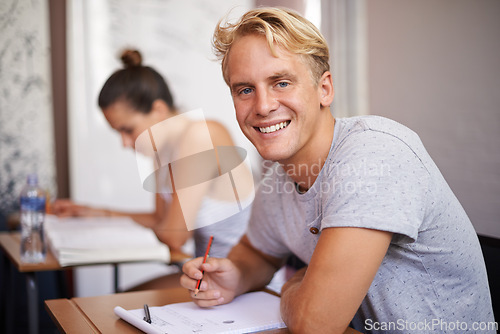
(174, 38)
(434, 66)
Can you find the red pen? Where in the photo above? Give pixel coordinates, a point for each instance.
(204, 260)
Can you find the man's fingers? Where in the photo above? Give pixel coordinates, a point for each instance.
(216, 264)
(190, 283)
(193, 268)
(206, 295)
(207, 298)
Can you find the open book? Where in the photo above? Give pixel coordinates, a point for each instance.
(91, 240)
(251, 312)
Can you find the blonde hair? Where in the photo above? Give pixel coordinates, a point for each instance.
(281, 27)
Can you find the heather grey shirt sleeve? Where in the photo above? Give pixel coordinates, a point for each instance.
(377, 182)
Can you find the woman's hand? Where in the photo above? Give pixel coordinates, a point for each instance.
(66, 208)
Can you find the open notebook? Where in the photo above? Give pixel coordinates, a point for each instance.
(91, 240)
(251, 312)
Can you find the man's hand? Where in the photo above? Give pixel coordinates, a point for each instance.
(244, 270)
(219, 283)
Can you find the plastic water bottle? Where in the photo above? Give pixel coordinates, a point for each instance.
(33, 247)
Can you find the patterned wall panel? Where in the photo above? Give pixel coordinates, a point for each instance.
(26, 129)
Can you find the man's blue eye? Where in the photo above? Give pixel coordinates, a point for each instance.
(283, 84)
(246, 91)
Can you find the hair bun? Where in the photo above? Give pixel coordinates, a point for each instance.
(131, 58)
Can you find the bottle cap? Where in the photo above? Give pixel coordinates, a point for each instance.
(32, 179)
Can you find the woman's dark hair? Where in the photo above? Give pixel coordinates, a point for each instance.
(136, 84)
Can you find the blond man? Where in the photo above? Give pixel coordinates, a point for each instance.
(358, 200)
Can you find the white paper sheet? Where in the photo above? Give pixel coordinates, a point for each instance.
(251, 312)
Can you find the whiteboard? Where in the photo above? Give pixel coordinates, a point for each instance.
(174, 37)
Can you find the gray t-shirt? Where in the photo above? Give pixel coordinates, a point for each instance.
(378, 175)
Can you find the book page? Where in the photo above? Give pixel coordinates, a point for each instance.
(87, 240)
(250, 312)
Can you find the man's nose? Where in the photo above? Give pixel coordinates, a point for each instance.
(266, 102)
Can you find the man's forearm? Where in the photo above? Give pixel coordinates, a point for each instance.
(288, 295)
(299, 314)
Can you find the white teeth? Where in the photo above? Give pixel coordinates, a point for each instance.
(275, 127)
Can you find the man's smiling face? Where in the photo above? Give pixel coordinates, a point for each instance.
(277, 103)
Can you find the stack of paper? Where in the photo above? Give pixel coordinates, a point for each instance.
(76, 241)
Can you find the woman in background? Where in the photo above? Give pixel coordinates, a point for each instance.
(134, 99)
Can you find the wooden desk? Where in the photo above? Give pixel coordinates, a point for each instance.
(10, 243)
(96, 314)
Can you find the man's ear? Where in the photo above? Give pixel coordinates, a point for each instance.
(325, 85)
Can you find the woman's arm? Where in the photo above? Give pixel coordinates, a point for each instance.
(171, 229)
(166, 220)
(146, 219)
(67, 208)
(177, 225)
